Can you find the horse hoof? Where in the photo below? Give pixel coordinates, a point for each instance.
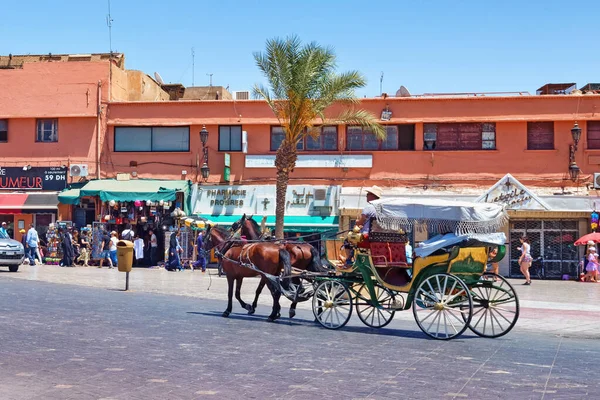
(270, 319)
(251, 311)
(292, 313)
(225, 314)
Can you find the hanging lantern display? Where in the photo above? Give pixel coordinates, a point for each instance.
(112, 203)
(137, 203)
(594, 218)
(161, 203)
(107, 217)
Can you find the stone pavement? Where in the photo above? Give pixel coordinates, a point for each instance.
(76, 342)
(565, 308)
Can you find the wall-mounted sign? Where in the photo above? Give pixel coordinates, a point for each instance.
(300, 200)
(314, 161)
(33, 178)
(386, 115)
(513, 195)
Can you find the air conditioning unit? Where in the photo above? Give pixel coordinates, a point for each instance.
(78, 170)
(597, 180)
(242, 95)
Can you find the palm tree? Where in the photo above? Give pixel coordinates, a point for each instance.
(303, 84)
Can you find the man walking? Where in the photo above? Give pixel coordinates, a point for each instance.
(153, 247)
(32, 244)
(201, 254)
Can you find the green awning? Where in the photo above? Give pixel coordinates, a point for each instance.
(138, 189)
(69, 196)
(291, 223)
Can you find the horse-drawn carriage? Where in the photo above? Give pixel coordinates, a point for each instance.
(446, 285)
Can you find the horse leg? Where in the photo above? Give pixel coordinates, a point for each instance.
(238, 288)
(276, 307)
(229, 297)
(259, 289)
(293, 309)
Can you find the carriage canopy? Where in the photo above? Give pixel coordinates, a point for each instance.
(440, 215)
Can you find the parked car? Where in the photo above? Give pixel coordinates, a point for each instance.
(12, 254)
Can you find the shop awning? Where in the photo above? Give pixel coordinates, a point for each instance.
(14, 203)
(291, 223)
(131, 190)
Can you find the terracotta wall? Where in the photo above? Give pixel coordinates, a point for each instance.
(390, 168)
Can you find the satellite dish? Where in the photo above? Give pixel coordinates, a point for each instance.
(402, 92)
(158, 78)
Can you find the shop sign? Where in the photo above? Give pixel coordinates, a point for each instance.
(513, 195)
(226, 197)
(33, 178)
(260, 200)
(314, 161)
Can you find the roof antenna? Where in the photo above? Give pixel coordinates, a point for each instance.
(210, 81)
(193, 66)
(109, 21)
(381, 84)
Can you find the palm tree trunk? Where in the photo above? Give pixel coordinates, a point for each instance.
(285, 161)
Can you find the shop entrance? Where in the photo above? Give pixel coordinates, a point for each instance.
(550, 239)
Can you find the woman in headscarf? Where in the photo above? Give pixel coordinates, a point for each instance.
(67, 248)
(174, 262)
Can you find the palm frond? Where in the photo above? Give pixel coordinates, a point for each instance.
(361, 118)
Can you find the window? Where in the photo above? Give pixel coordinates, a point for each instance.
(230, 138)
(540, 135)
(406, 137)
(3, 130)
(47, 130)
(152, 139)
(398, 137)
(593, 134)
(326, 141)
(468, 136)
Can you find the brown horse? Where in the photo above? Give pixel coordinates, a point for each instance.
(303, 256)
(239, 261)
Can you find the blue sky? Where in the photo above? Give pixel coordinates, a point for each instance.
(427, 46)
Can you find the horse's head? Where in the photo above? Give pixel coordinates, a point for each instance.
(249, 228)
(214, 237)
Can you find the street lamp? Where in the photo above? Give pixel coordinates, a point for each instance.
(204, 170)
(573, 168)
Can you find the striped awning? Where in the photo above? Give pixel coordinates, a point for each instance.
(14, 203)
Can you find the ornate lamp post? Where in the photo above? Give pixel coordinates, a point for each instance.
(204, 170)
(573, 168)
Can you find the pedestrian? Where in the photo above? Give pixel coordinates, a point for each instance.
(128, 233)
(174, 262)
(84, 248)
(113, 247)
(200, 253)
(494, 264)
(153, 248)
(66, 243)
(23, 233)
(3, 231)
(592, 266)
(525, 259)
(76, 246)
(105, 250)
(32, 243)
(138, 249)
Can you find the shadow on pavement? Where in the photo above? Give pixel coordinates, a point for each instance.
(415, 334)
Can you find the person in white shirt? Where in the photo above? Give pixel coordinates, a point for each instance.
(113, 247)
(364, 222)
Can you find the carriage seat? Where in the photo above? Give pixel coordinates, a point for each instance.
(390, 263)
(388, 254)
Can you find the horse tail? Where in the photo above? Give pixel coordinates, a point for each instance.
(315, 262)
(285, 261)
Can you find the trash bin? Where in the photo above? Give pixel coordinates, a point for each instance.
(124, 255)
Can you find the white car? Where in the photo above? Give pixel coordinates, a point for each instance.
(12, 254)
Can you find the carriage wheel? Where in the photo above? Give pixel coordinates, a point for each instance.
(442, 306)
(495, 306)
(332, 304)
(371, 315)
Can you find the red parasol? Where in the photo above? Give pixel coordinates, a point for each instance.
(594, 237)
